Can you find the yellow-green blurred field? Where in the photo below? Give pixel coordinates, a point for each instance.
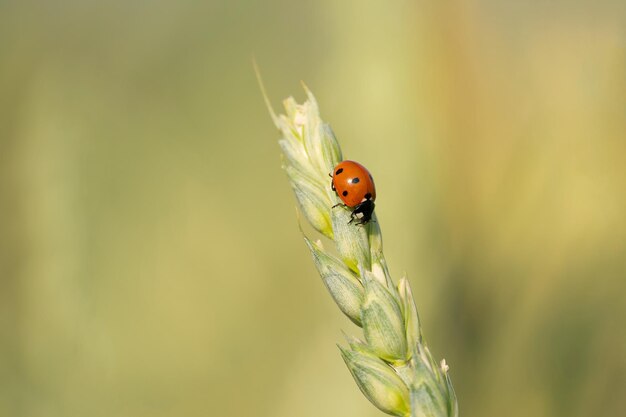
(150, 260)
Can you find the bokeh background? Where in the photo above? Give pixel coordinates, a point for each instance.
(150, 261)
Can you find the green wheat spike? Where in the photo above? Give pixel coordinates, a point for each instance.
(392, 365)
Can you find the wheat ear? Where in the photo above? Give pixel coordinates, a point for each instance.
(392, 365)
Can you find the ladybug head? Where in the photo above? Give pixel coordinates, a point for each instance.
(362, 213)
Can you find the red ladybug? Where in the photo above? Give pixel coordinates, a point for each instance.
(354, 185)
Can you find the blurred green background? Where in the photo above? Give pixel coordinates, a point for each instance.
(150, 261)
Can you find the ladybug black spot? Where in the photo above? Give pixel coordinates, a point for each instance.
(339, 171)
(368, 196)
(355, 180)
(345, 193)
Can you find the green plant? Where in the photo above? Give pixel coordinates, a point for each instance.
(392, 365)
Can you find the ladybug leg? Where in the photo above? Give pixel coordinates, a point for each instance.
(332, 183)
(339, 204)
(357, 221)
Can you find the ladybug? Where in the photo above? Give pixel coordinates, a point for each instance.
(354, 185)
